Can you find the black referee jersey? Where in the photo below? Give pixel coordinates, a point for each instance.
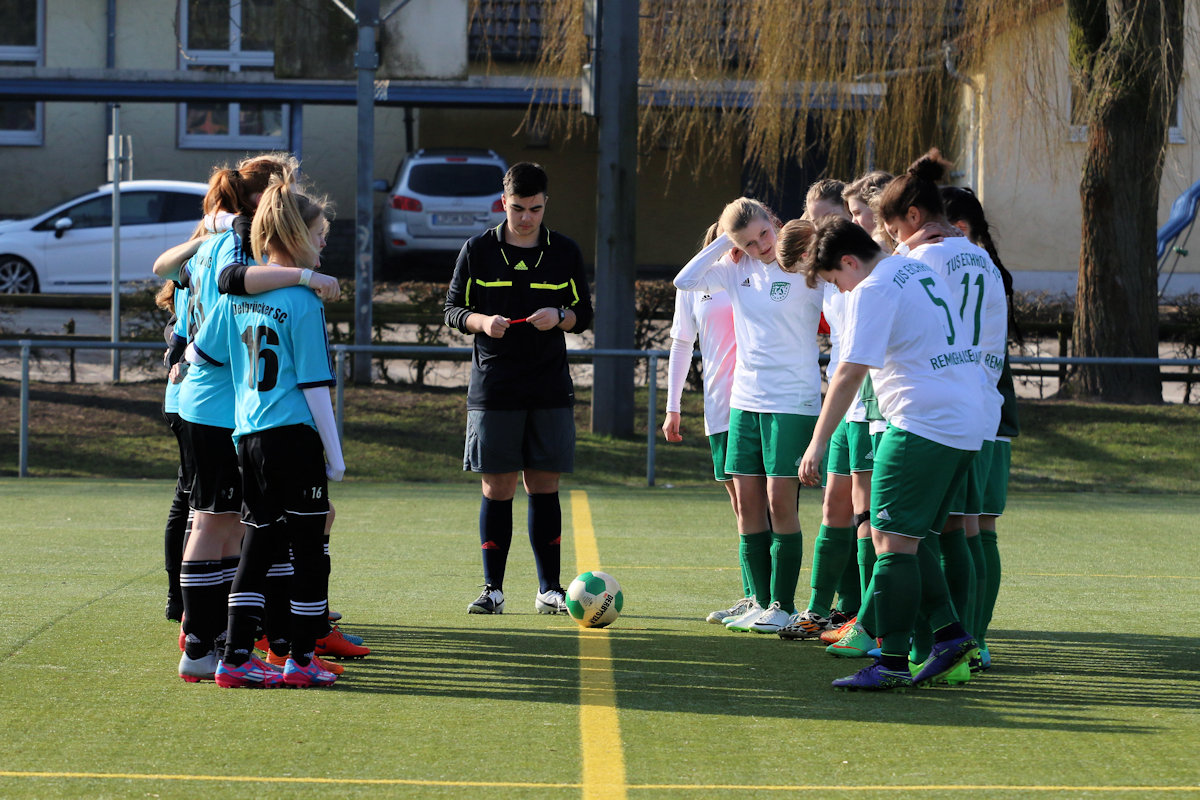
(526, 368)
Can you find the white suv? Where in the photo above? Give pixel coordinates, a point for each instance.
(440, 198)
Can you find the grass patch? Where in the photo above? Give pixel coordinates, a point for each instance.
(1077, 697)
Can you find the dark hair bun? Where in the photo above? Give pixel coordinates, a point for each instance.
(930, 167)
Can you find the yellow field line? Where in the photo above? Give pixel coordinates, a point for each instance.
(600, 729)
(732, 787)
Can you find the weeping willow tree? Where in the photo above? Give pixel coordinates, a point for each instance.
(749, 76)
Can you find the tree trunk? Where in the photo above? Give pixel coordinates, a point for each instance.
(1128, 80)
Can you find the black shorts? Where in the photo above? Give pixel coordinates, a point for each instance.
(187, 468)
(500, 441)
(283, 472)
(217, 484)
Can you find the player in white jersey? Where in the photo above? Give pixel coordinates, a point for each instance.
(774, 402)
(911, 207)
(834, 569)
(709, 316)
(964, 211)
(899, 327)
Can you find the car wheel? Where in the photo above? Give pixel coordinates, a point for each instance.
(17, 276)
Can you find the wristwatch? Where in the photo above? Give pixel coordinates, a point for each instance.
(562, 316)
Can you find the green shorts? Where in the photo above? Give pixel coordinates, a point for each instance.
(995, 493)
(862, 446)
(837, 456)
(913, 483)
(968, 499)
(718, 443)
(767, 444)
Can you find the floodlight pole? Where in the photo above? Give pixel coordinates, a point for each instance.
(366, 61)
(616, 79)
(115, 307)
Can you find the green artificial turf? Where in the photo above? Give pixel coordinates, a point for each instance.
(1094, 685)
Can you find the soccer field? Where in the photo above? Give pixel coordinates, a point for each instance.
(1094, 690)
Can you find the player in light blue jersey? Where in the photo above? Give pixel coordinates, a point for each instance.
(210, 265)
(277, 352)
(170, 297)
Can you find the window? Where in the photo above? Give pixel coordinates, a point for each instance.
(137, 208)
(21, 39)
(1078, 132)
(229, 36)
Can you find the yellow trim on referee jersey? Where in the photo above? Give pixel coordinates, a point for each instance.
(550, 286)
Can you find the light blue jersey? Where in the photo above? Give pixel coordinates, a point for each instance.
(171, 399)
(206, 394)
(275, 345)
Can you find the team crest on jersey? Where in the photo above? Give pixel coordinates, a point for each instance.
(779, 290)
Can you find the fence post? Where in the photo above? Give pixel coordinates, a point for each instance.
(23, 449)
(341, 389)
(1063, 343)
(651, 404)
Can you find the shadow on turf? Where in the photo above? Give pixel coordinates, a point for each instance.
(1055, 681)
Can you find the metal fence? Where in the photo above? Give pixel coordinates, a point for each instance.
(432, 353)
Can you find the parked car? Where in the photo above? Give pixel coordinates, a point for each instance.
(69, 247)
(439, 198)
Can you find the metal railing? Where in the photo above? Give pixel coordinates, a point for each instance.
(432, 353)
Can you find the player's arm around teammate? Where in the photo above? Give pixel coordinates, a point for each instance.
(277, 347)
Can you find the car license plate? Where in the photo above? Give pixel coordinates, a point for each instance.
(453, 219)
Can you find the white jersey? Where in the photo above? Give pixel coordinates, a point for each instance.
(833, 306)
(708, 315)
(980, 303)
(899, 322)
(775, 319)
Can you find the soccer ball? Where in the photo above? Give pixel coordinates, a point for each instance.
(594, 599)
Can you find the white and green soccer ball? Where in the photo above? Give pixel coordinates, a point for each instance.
(594, 599)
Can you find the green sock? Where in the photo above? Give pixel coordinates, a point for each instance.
(787, 551)
(866, 567)
(897, 581)
(936, 604)
(849, 586)
(987, 601)
(756, 555)
(959, 571)
(979, 585)
(831, 551)
(747, 584)
(922, 640)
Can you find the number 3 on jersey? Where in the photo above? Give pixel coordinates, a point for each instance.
(253, 338)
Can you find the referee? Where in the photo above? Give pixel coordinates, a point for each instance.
(517, 288)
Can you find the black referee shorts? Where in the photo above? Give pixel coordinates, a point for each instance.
(508, 440)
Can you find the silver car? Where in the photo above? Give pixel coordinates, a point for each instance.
(441, 197)
(69, 247)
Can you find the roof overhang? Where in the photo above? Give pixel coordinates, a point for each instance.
(44, 84)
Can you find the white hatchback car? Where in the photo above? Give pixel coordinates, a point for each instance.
(440, 198)
(69, 247)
